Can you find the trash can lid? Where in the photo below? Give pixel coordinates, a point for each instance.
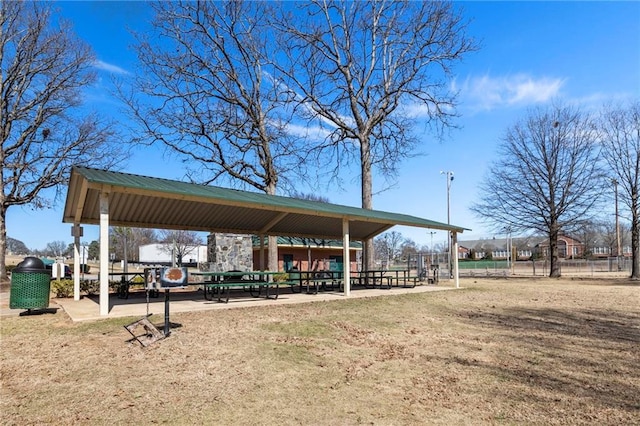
(31, 264)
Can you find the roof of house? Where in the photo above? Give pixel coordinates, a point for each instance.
(501, 243)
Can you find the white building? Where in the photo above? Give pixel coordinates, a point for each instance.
(164, 254)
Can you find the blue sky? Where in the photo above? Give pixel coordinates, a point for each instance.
(582, 53)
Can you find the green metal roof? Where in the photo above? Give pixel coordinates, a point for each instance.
(147, 202)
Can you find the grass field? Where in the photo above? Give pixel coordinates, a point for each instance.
(517, 351)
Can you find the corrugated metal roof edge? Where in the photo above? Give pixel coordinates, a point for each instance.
(168, 186)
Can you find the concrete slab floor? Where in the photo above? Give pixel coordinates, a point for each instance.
(190, 300)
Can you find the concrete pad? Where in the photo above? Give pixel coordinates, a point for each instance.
(88, 309)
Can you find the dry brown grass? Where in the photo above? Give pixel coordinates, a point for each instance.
(498, 352)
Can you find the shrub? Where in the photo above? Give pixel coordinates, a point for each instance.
(280, 277)
(91, 287)
(62, 288)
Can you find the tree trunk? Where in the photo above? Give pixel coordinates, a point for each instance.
(635, 238)
(3, 242)
(3, 222)
(635, 255)
(554, 267)
(367, 199)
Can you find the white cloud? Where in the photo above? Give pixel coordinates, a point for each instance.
(423, 110)
(488, 92)
(314, 133)
(114, 69)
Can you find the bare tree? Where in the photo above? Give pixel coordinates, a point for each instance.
(56, 249)
(367, 70)
(389, 246)
(593, 234)
(408, 248)
(609, 236)
(210, 95)
(394, 241)
(621, 141)
(44, 128)
(381, 249)
(311, 197)
(547, 177)
(180, 243)
(127, 241)
(120, 242)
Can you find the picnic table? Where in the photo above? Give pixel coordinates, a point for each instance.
(317, 280)
(385, 279)
(407, 279)
(371, 278)
(219, 284)
(127, 280)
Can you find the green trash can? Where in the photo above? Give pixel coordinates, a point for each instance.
(30, 285)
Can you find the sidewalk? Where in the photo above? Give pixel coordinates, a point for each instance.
(87, 308)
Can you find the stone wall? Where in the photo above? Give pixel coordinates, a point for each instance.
(228, 252)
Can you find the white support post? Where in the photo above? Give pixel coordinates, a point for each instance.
(346, 264)
(456, 271)
(76, 232)
(104, 253)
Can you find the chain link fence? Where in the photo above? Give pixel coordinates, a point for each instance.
(582, 267)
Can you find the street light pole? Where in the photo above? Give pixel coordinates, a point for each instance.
(449, 175)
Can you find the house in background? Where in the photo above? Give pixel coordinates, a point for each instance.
(603, 247)
(568, 248)
(600, 247)
(310, 254)
(498, 248)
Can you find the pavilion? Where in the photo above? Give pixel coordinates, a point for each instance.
(106, 198)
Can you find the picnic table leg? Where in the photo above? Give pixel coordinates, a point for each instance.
(227, 292)
(277, 291)
(207, 290)
(315, 285)
(366, 282)
(267, 288)
(123, 289)
(252, 291)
